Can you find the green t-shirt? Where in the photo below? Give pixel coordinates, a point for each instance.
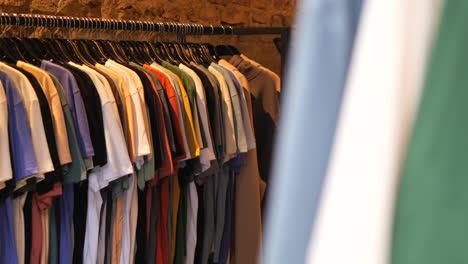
(431, 219)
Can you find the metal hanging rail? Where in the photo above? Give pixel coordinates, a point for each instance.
(36, 20)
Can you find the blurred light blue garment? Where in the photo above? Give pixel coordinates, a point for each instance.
(319, 57)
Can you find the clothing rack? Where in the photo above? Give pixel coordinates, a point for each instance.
(132, 25)
(182, 29)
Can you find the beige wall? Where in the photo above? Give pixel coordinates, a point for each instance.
(260, 13)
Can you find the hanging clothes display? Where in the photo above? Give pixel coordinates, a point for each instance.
(132, 152)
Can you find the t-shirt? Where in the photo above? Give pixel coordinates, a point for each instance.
(41, 149)
(56, 175)
(76, 170)
(230, 146)
(93, 109)
(214, 104)
(6, 172)
(75, 102)
(206, 154)
(60, 131)
(21, 147)
(242, 84)
(187, 118)
(175, 113)
(142, 146)
(236, 106)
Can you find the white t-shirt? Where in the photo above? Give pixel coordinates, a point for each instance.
(5, 162)
(141, 135)
(249, 134)
(33, 111)
(230, 147)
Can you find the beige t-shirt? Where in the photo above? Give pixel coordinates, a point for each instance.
(58, 120)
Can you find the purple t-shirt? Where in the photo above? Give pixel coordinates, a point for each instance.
(75, 101)
(24, 160)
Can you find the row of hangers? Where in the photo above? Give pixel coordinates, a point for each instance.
(87, 51)
(33, 50)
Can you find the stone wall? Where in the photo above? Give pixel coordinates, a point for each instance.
(262, 13)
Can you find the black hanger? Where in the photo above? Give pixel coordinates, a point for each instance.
(234, 50)
(66, 46)
(33, 49)
(211, 50)
(159, 51)
(180, 52)
(147, 52)
(23, 52)
(80, 57)
(109, 50)
(155, 56)
(136, 52)
(94, 51)
(191, 52)
(169, 53)
(56, 51)
(8, 53)
(119, 52)
(226, 50)
(173, 47)
(36, 43)
(86, 51)
(203, 52)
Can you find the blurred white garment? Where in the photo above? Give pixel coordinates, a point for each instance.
(355, 216)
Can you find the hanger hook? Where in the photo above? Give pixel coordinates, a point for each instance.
(9, 20)
(224, 30)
